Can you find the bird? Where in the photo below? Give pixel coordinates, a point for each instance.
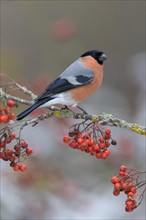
(75, 84)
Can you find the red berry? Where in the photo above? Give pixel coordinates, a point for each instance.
(4, 119)
(82, 148)
(91, 142)
(130, 184)
(2, 144)
(107, 144)
(116, 192)
(98, 155)
(9, 152)
(7, 110)
(80, 140)
(130, 194)
(108, 131)
(66, 139)
(117, 186)
(123, 168)
(17, 147)
(96, 147)
(121, 173)
(101, 140)
(84, 144)
(124, 185)
(107, 152)
(90, 148)
(87, 141)
(133, 190)
(115, 179)
(22, 167)
(73, 144)
(12, 116)
(24, 144)
(104, 155)
(82, 136)
(107, 137)
(129, 203)
(102, 145)
(29, 151)
(76, 131)
(12, 135)
(16, 167)
(8, 140)
(11, 103)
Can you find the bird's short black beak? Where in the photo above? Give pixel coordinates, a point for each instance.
(103, 57)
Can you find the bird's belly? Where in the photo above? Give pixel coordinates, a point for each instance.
(62, 98)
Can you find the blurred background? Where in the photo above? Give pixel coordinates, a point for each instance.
(39, 39)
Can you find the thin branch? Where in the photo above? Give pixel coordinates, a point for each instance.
(103, 119)
(14, 98)
(22, 88)
(26, 91)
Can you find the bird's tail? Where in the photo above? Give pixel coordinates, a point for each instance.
(33, 107)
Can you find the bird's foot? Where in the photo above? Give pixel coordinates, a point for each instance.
(66, 107)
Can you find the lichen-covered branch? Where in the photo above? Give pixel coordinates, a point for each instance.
(103, 118)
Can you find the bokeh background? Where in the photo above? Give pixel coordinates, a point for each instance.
(39, 39)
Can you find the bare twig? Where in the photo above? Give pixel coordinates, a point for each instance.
(14, 98)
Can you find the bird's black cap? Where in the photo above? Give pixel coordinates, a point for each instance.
(99, 56)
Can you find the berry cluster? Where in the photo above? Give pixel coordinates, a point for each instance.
(91, 140)
(127, 182)
(6, 113)
(16, 155)
(20, 149)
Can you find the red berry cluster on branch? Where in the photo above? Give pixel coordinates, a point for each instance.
(14, 155)
(128, 182)
(6, 113)
(20, 150)
(91, 139)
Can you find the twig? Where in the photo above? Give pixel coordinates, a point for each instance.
(102, 119)
(14, 98)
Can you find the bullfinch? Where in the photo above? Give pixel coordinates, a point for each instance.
(78, 81)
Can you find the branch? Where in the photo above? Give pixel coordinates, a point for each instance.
(102, 119)
(14, 98)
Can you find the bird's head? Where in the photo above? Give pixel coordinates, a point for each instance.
(99, 56)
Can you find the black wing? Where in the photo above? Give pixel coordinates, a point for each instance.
(61, 85)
